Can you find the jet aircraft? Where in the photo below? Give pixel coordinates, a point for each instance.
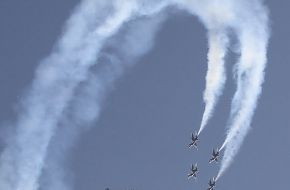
(194, 139)
(193, 171)
(211, 184)
(215, 155)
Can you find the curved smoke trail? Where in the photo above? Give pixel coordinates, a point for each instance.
(253, 35)
(217, 20)
(138, 37)
(57, 78)
(216, 76)
(91, 25)
(23, 159)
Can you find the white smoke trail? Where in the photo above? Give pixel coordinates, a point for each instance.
(253, 34)
(56, 78)
(216, 19)
(249, 20)
(86, 106)
(216, 76)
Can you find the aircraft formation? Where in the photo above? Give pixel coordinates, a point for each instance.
(194, 169)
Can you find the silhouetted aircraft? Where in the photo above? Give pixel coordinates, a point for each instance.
(215, 155)
(211, 184)
(194, 139)
(193, 171)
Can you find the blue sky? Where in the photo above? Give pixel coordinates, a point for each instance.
(140, 140)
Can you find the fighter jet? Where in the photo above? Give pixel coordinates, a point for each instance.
(211, 184)
(215, 155)
(194, 139)
(193, 171)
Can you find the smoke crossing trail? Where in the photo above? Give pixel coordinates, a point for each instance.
(253, 35)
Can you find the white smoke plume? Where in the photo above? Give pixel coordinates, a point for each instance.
(92, 24)
(56, 79)
(85, 108)
(217, 20)
(248, 20)
(216, 76)
(253, 34)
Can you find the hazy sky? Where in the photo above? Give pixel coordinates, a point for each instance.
(141, 138)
